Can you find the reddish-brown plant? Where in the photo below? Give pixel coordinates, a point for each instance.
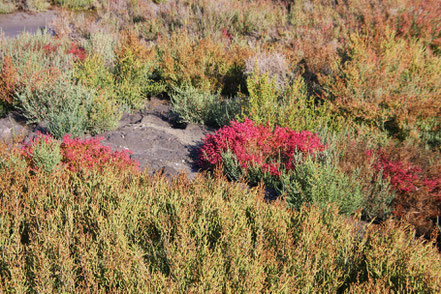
(258, 146)
(8, 80)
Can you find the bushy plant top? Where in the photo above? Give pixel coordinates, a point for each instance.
(418, 189)
(404, 177)
(258, 146)
(79, 155)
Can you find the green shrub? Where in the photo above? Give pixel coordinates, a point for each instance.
(93, 73)
(263, 100)
(46, 154)
(134, 73)
(198, 106)
(430, 132)
(62, 105)
(378, 197)
(103, 44)
(192, 105)
(319, 181)
(353, 154)
(69, 109)
(104, 112)
(299, 111)
(223, 111)
(4, 108)
(50, 85)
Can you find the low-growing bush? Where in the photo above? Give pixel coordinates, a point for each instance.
(292, 107)
(56, 82)
(133, 73)
(204, 64)
(388, 82)
(417, 183)
(258, 146)
(61, 105)
(116, 231)
(192, 105)
(263, 101)
(75, 154)
(197, 106)
(300, 167)
(43, 152)
(321, 182)
(356, 161)
(105, 112)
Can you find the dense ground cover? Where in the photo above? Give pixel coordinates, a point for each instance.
(99, 225)
(321, 102)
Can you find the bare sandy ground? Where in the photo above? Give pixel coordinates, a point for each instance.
(18, 22)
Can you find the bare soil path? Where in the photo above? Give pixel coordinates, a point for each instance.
(15, 23)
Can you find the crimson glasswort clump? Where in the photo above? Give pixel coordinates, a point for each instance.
(404, 177)
(88, 154)
(258, 146)
(84, 155)
(78, 52)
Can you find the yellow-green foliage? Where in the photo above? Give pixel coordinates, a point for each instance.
(37, 5)
(299, 111)
(93, 73)
(391, 83)
(104, 111)
(133, 72)
(112, 231)
(292, 107)
(263, 99)
(204, 64)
